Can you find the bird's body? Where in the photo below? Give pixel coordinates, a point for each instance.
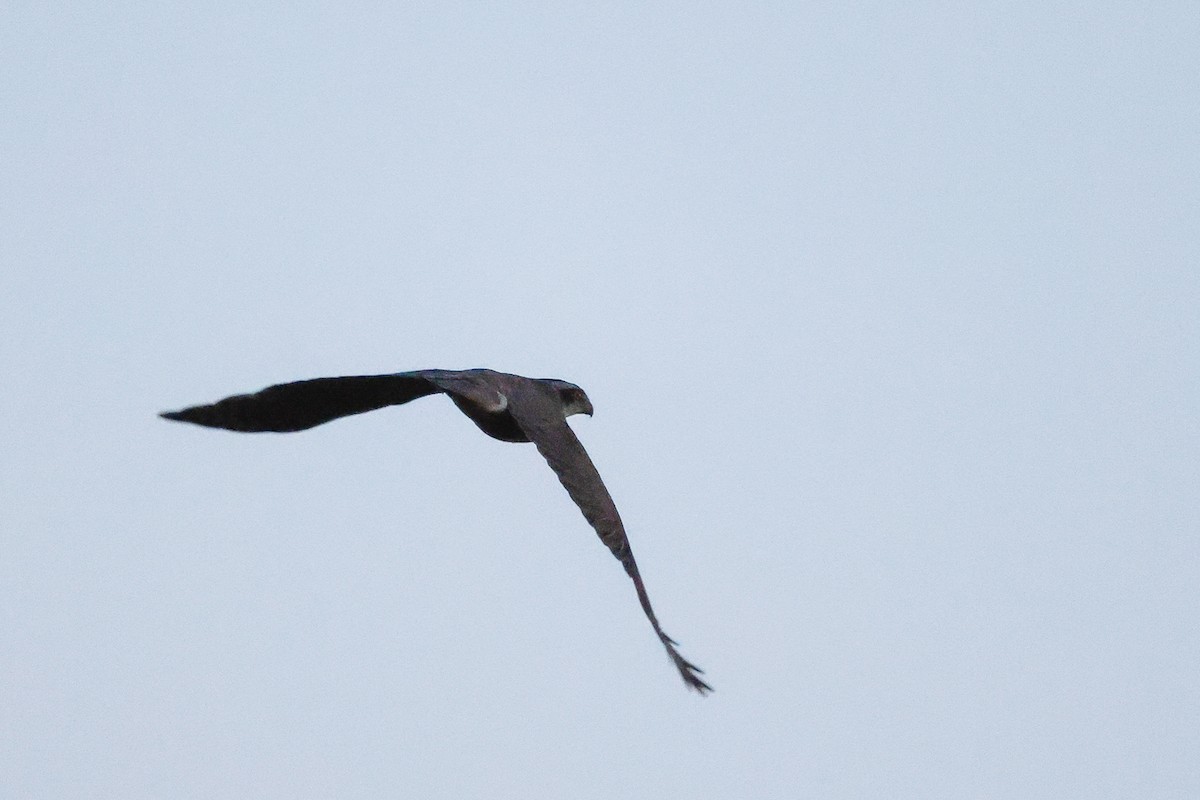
(511, 408)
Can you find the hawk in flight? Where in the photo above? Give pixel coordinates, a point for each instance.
(507, 407)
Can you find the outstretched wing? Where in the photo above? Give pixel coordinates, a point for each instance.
(548, 430)
(298, 406)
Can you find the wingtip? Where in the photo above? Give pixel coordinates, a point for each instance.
(695, 684)
(687, 670)
(699, 686)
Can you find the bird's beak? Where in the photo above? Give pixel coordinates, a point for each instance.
(579, 405)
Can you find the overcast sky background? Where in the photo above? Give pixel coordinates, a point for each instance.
(890, 314)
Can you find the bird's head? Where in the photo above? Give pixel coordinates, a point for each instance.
(574, 400)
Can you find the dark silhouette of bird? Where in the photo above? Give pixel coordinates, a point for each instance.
(511, 408)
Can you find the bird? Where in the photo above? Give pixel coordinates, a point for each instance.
(511, 408)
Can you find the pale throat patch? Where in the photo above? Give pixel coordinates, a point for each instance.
(576, 406)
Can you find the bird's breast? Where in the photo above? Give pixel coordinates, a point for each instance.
(499, 425)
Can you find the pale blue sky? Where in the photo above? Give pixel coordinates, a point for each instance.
(890, 314)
